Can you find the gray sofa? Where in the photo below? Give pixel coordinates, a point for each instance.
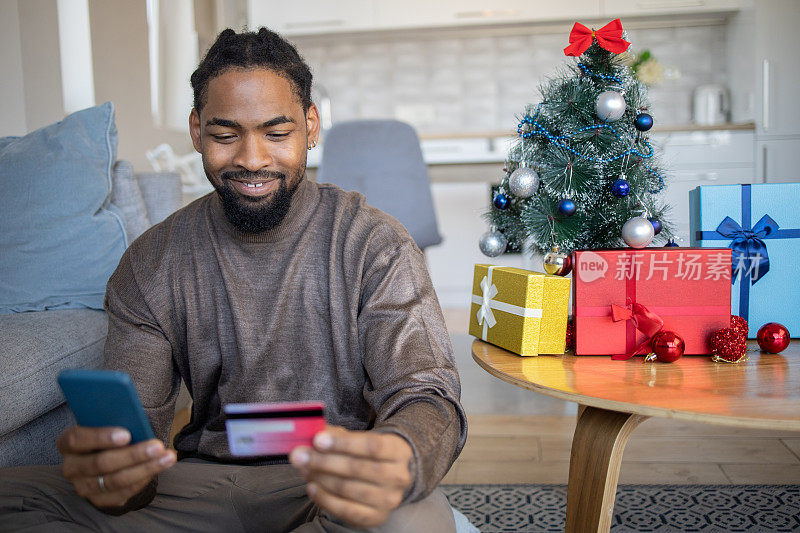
(36, 346)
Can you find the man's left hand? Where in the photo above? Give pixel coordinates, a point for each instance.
(358, 476)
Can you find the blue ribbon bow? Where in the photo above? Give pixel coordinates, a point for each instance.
(749, 250)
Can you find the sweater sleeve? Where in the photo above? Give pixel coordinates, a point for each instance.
(413, 384)
(137, 345)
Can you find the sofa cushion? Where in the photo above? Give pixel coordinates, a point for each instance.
(35, 442)
(35, 348)
(162, 193)
(126, 195)
(60, 238)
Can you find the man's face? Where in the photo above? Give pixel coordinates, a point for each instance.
(253, 136)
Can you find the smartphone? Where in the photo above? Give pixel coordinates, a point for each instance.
(272, 429)
(102, 398)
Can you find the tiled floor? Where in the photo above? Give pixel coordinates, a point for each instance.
(518, 436)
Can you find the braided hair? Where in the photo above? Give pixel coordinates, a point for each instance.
(250, 50)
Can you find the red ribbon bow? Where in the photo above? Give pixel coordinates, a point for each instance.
(645, 321)
(609, 37)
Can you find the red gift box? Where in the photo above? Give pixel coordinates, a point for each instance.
(688, 288)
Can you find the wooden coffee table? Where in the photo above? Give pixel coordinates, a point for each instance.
(616, 396)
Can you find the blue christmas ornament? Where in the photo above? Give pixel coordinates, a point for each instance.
(657, 227)
(620, 188)
(643, 122)
(671, 244)
(567, 207)
(501, 201)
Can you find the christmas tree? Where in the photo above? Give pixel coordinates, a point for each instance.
(583, 174)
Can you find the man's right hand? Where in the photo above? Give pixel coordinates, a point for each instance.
(125, 469)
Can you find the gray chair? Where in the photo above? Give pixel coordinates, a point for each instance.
(382, 160)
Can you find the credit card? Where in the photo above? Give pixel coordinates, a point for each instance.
(272, 429)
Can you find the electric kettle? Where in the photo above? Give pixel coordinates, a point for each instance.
(711, 105)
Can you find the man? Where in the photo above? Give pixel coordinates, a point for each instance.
(271, 288)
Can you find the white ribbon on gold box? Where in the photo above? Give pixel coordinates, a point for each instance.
(519, 310)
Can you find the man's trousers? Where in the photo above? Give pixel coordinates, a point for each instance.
(196, 495)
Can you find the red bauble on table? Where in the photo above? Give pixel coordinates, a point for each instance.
(668, 346)
(570, 334)
(773, 337)
(729, 346)
(739, 325)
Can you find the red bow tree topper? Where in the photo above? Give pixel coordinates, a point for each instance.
(609, 37)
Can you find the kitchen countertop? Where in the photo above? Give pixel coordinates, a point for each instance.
(656, 129)
(469, 148)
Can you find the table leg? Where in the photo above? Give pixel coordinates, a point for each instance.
(600, 438)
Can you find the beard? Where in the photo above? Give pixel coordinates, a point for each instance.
(255, 215)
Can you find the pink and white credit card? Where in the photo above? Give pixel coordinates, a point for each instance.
(272, 429)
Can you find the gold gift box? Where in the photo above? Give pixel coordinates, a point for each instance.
(522, 311)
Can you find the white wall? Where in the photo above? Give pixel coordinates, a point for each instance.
(179, 57)
(122, 75)
(12, 85)
(30, 84)
(38, 88)
(75, 43)
(741, 62)
(34, 92)
(41, 62)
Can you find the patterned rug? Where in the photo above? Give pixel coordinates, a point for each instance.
(706, 508)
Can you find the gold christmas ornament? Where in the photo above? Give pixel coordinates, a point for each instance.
(558, 263)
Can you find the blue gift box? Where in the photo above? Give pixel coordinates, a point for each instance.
(761, 225)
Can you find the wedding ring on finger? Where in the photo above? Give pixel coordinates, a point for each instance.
(102, 483)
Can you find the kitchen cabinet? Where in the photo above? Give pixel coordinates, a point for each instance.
(777, 142)
(676, 193)
(459, 209)
(391, 14)
(312, 16)
(777, 67)
(622, 8)
(699, 158)
(778, 160)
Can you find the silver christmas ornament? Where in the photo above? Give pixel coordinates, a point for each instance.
(610, 106)
(493, 243)
(523, 182)
(557, 263)
(638, 232)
